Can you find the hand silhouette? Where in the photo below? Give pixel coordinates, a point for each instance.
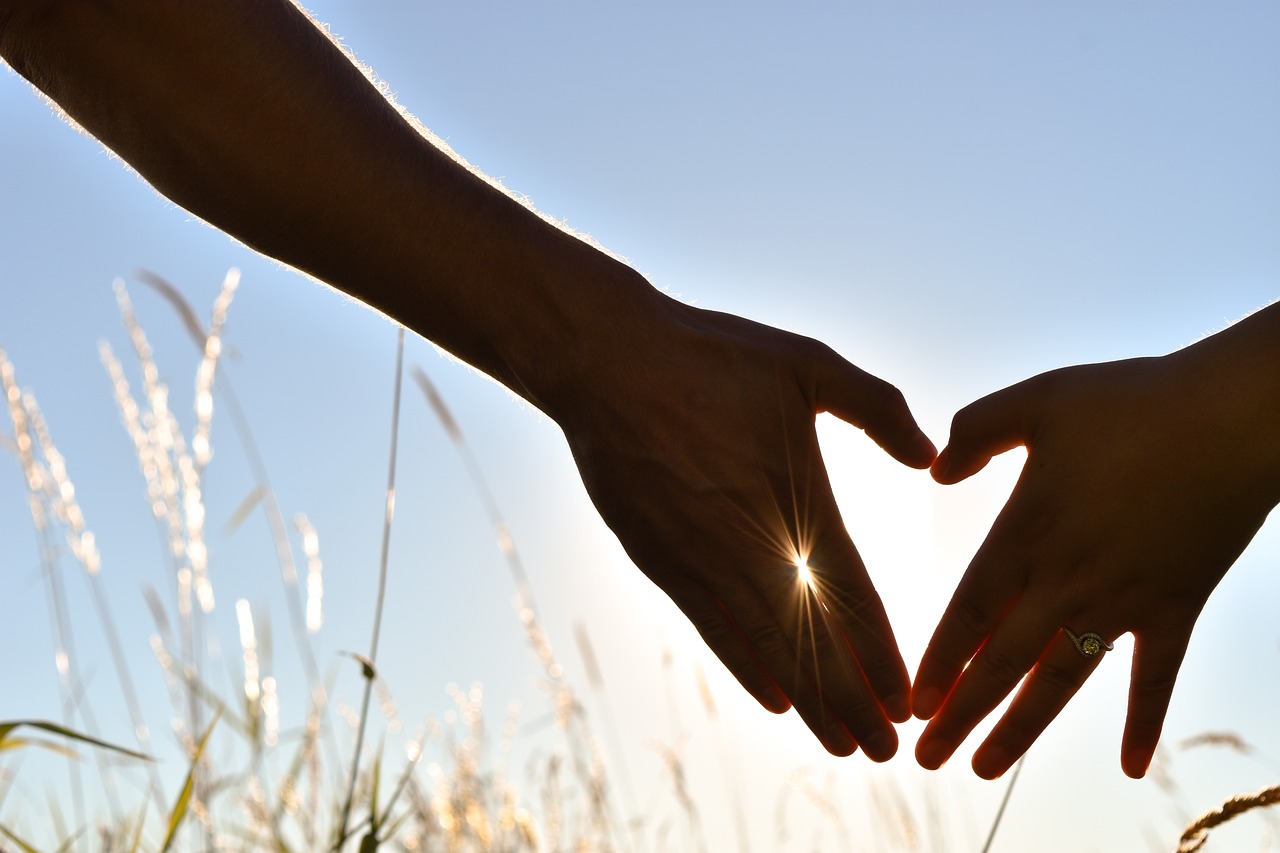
(1144, 481)
(703, 460)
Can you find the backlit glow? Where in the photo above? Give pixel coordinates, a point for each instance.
(803, 573)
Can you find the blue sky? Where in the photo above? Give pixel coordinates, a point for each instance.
(953, 196)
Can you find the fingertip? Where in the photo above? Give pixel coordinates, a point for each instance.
(932, 752)
(1135, 763)
(839, 742)
(940, 469)
(774, 702)
(898, 707)
(908, 444)
(926, 702)
(922, 452)
(881, 746)
(843, 750)
(991, 761)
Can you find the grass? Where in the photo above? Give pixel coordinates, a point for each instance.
(268, 772)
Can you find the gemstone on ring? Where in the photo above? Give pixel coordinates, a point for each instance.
(1089, 644)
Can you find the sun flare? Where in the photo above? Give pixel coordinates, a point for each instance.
(803, 572)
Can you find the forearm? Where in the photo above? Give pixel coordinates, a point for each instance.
(245, 114)
(1234, 382)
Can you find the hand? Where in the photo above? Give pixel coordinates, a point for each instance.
(1143, 483)
(701, 456)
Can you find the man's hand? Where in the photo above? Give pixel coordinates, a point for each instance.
(694, 431)
(1144, 481)
(702, 457)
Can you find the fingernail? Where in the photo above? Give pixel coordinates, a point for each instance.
(775, 702)
(898, 707)
(880, 746)
(839, 742)
(927, 702)
(991, 761)
(933, 753)
(1140, 763)
(940, 470)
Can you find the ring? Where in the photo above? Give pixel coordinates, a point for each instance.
(1089, 644)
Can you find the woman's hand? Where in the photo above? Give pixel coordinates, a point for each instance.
(1144, 481)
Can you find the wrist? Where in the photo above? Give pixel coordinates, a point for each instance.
(1236, 374)
(586, 327)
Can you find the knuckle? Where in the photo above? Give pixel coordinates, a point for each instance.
(1014, 734)
(972, 616)
(886, 398)
(884, 676)
(1153, 688)
(998, 667)
(856, 603)
(773, 647)
(862, 713)
(1060, 679)
(962, 422)
(712, 625)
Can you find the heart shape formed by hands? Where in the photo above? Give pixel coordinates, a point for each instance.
(1144, 481)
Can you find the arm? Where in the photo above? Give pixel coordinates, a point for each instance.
(693, 430)
(1144, 481)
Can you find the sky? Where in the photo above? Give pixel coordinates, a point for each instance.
(953, 196)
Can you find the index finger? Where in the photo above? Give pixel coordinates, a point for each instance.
(1014, 647)
(843, 587)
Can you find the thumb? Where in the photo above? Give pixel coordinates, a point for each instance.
(983, 429)
(873, 405)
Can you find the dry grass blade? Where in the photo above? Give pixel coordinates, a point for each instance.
(1226, 740)
(15, 743)
(505, 543)
(1008, 792)
(367, 667)
(71, 840)
(242, 512)
(1197, 833)
(7, 728)
(179, 302)
(27, 848)
(446, 418)
(183, 803)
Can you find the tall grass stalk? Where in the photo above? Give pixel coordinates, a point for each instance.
(83, 545)
(265, 495)
(1004, 803)
(370, 672)
(1197, 833)
(587, 755)
(38, 486)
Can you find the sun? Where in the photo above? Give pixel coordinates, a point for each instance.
(803, 573)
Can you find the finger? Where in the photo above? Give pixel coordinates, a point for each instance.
(980, 601)
(723, 636)
(847, 600)
(983, 429)
(871, 404)
(1014, 647)
(843, 587)
(1056, 677)
(1156, 661)
(801, 646)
